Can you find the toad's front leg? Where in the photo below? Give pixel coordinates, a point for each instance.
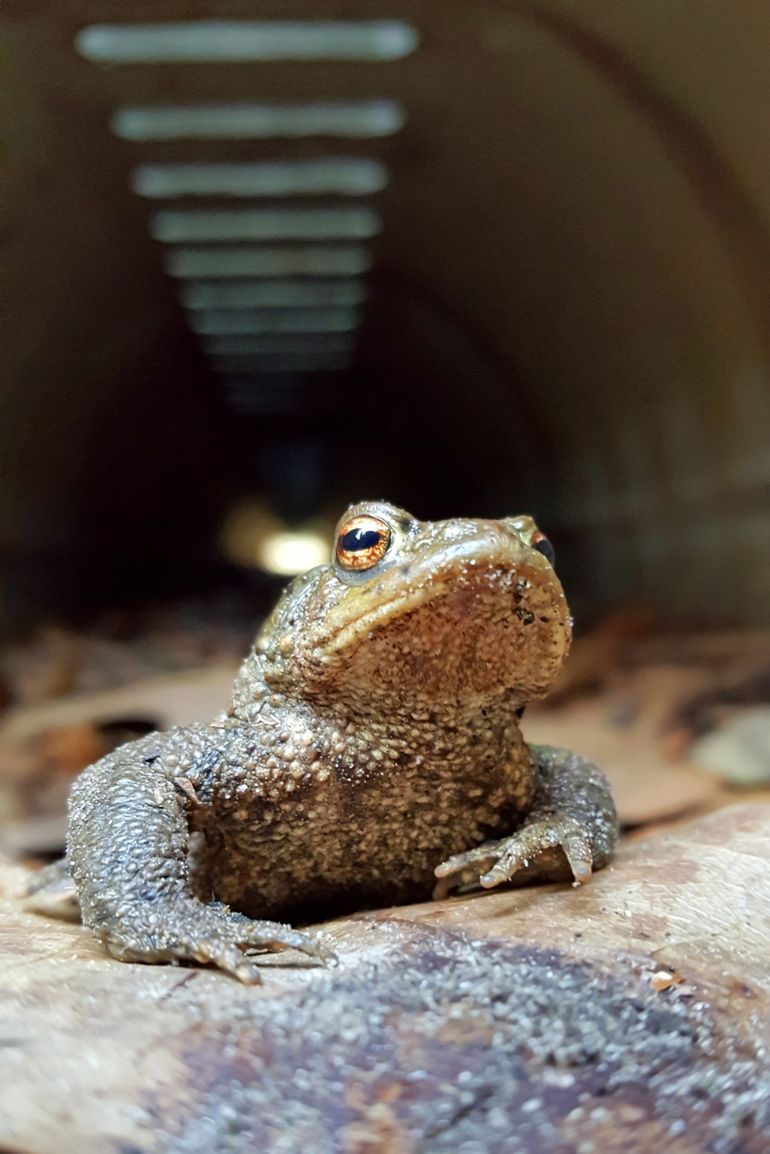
(128, 853)
(570, 830)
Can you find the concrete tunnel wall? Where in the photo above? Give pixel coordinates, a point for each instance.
(570, 308)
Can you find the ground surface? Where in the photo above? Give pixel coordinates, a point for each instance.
(632, 1015)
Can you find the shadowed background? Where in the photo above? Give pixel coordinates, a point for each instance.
(566, 311)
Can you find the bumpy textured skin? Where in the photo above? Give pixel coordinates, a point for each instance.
(372, 746)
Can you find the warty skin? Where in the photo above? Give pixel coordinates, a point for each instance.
(372, 746)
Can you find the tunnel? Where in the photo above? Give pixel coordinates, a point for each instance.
(461, 845)
(473, 258)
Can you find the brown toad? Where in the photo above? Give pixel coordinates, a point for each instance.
(372, 746)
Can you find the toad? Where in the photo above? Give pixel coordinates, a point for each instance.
(371, 754)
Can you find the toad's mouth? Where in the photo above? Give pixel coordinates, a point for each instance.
(404, 588)
(357, 627)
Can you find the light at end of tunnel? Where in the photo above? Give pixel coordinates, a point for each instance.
(335, 176)
(204, 41)
(370, 118)
(288, 554)
(255, 537)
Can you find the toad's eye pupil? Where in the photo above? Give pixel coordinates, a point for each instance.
(358, 539)
(544, 546)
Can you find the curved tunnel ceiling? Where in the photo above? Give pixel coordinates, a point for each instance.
(567, 306)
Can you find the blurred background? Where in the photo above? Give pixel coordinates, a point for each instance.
(481, 258)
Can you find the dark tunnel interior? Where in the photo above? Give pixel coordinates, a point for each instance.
(514, 259)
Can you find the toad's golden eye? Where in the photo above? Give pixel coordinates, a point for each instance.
(362, 542)
(543, 545)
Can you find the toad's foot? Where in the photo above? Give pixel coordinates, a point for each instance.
(215, 935)
(536, 845)
(128, 842)
(570, 831)
(51, 891)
